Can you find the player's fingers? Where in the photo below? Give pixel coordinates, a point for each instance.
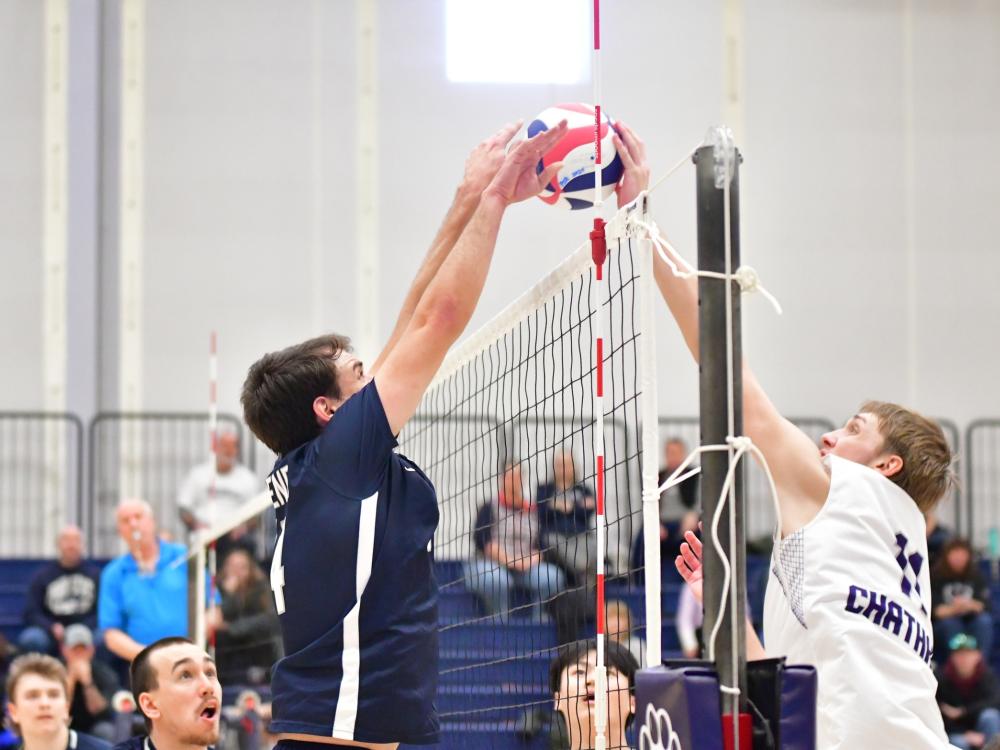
(635, 144)
(689, 557)
(548, 174)
(547, 139)
(624, 153)
(507, 132)
(682, 568)
(694, 541)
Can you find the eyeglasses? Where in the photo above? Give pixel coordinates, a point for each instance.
(962, 640)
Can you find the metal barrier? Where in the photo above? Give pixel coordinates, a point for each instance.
(144, 455)
(982, 485)
(760, 518)
(41, 479)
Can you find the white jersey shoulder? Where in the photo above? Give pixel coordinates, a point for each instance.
(850, 594)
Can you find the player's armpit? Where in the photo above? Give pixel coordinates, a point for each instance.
(801, 479)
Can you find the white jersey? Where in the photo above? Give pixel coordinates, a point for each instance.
(213, 504)
(854, 600)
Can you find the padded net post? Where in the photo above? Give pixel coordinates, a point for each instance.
(721, 407)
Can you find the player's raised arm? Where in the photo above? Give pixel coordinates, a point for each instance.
(795, 462)
(480, 168)
(447, 303)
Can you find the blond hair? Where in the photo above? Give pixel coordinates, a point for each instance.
(40, 664)
(927, 459)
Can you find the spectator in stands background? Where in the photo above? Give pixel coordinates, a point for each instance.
(573, 682)
(143, 594)
(61, 593)
(960, 597)
(565, 513)
(89, 684)
(690, 618)
(209, 496)
(38, 706)
(937, 536)
(969, 695)
(245, 625)
(678, 508)
(177, 690)
(618, 626)
(506, 539)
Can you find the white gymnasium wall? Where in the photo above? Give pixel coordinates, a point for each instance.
(21, 44)
(868, 187)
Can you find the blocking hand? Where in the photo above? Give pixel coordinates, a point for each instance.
(688, 564)
(632, 151)
(486, 159)
(517, 178)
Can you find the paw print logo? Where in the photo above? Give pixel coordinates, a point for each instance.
(658, 731)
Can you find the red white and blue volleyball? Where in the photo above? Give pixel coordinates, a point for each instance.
(573, 185)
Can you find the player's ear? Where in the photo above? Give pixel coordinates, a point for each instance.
(889, 464)
(148, 707)
(323, 409)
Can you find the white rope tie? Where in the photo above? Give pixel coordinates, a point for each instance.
(745, 276)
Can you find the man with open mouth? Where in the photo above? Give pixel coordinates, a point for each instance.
(176, 687)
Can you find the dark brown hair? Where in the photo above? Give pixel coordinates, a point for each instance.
(926, 474)
(942, 569)
(142, 676)
(280, 388)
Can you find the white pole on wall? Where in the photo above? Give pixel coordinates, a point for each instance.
(732, 67)
(55, 98)
(367, 248)
(130, 238)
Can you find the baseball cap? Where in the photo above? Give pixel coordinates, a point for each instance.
(78, 635)
(963, 640)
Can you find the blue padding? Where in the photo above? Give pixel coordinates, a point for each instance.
(798, 708)
(689, 696)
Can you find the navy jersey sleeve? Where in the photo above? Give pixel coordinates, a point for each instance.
(354, 448)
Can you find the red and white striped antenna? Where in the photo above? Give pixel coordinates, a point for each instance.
(213, 441)
(599, 252)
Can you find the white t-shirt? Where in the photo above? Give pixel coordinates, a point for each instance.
(232, 489)
(854, 600)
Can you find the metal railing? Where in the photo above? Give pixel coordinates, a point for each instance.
(144, 455)
(41, 479)
(982, 483)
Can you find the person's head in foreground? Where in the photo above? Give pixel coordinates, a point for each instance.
(37, 703)
(290, 395)
(900, 444)
(573, 681)
(177, 690)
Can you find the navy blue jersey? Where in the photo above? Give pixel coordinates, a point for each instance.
(354, 586)
(141, 742)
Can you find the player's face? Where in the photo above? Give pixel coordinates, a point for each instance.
(186, 703)
(858, 440)
(576, 702)
(39, 705)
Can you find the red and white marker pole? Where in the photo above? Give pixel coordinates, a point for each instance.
(213, 441)
(599, 252)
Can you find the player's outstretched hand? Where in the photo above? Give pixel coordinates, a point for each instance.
(517, 179)
(688, 563)
(632, 151)
(485, 161)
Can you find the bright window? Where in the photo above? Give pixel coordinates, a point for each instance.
(518, 41)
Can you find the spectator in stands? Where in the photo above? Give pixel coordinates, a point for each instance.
(212, 494)
(960, 597)
(618, 626)
(969, 695)
(143, 594)
(507, 543)
(245, 625)
(62, 593)
(573, 682)
(177, 690)
(38, 706)
(937, 537)
(89, 684)
(566, 509)
(690, 618)
(678, 508)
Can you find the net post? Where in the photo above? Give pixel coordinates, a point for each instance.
(721, 417)
(650, 437)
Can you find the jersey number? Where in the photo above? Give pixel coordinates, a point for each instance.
(278, 570)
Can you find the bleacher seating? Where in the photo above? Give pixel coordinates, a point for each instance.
(468, 639)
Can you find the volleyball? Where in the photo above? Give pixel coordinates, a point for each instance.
(573, 185)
